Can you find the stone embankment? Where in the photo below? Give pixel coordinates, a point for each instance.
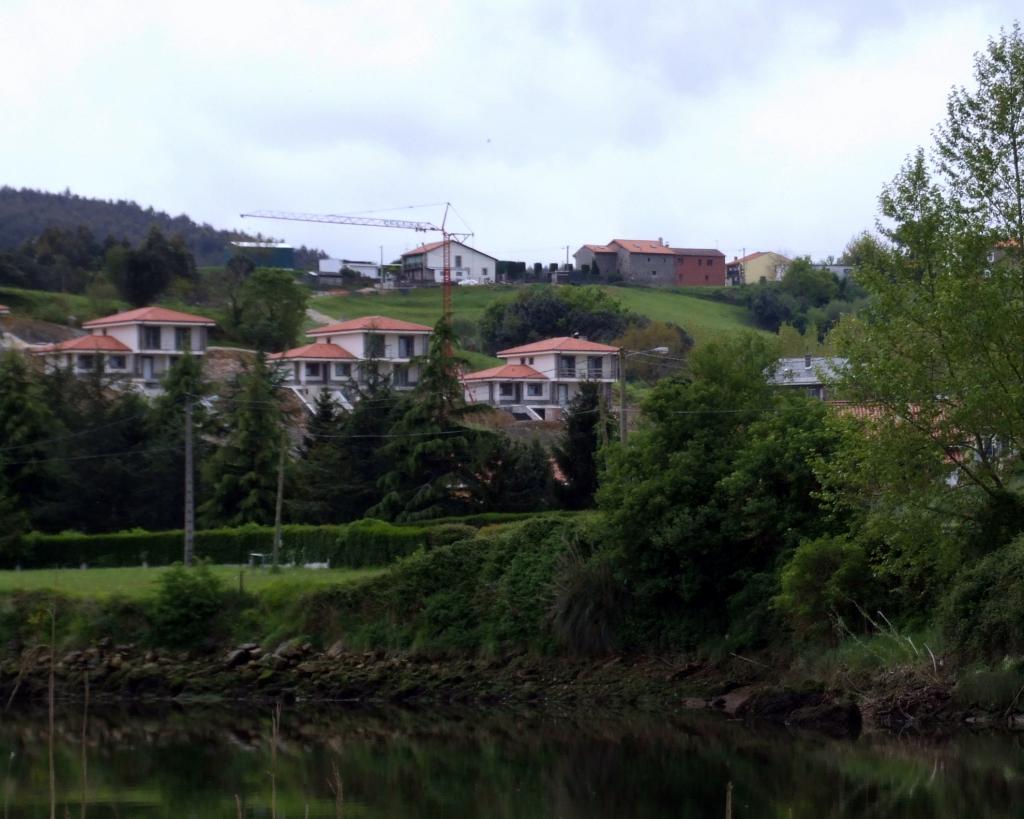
(294, 671)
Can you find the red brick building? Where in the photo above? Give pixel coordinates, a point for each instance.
(699, 267)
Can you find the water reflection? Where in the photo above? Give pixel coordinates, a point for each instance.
(327, 762)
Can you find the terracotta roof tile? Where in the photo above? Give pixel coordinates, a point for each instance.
(317, 351)
(506, 372)
(150, 314)
(649, 246)
(562, 344)
(601, 248)
(86, 344)
(379, 323)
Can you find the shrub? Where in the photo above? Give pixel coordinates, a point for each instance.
(993, 690)
(982, 615)
(588, 600)
(188, 605)
(371, 542)
(450, 533)
(825, 580)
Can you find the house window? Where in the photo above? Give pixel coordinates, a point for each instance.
(116, 362)
(182, 338)
(85, 362)
(458, 261)
(505, 389)
(594, 368)
(483, 272)
(522, 360)
(314, 371)
(530, 360)
(700, 262)
(342, 370)
(567, 366)
(374, 346)
(150, 338)
(406, 346)
(654, 272)
(535, 390)
(400, 377)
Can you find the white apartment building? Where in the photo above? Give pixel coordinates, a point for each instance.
(137, 346)
(425, 264)
(337, 359)
(539, 380)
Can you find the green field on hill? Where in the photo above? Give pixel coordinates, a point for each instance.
(701, 318)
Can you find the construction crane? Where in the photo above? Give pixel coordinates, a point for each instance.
(403, 224)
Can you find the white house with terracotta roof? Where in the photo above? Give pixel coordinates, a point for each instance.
(538, 380)
(425, 264)
(138, 345)
(336, 360)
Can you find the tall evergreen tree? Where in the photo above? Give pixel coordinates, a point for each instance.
(431, 452)
(28, 431)
(241, 475)
(577, 453)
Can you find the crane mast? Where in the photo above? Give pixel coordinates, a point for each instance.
(402, 224)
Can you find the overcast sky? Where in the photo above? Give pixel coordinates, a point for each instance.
(749, 125)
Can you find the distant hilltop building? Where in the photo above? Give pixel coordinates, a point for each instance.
(652, 263)
(333, 267)
(765, 265)
(425, 265)
(266, 254)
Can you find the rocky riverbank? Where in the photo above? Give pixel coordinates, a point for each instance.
(295, 671)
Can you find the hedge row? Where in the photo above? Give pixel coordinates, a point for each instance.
(363, 543)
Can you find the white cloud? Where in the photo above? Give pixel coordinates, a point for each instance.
(764, 125)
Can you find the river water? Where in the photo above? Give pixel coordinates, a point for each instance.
(321, 761)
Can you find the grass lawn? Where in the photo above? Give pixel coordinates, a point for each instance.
(702, 318)
(139, 583)
(56, 307)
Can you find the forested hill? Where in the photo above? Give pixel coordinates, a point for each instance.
(26, 213)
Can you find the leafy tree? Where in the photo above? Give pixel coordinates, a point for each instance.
(770, 307)
(652, 367)
(545, 312)
(587, 428)
(141, 275)
(663, 498)
(272, 308)
(938, 350)
(809, 285)
(241, 475)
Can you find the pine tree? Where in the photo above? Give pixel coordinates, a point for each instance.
(431, 452)
(577, 454)
(27, 429)
(241, 475)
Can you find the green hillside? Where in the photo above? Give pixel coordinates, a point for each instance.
(701, 318)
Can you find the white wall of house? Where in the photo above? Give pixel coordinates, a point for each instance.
(396, 345)
(557, 366)
(466, 264)
(132, 336)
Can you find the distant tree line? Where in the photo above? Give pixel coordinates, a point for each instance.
(25, 214)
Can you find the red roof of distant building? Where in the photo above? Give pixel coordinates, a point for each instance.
(86, 344)
(562, 344)
(160, 315)
(505, 372)
(435, 245)
(379, 323)
(601, 248)
(697, 251)
(652, 246)
(319, 350)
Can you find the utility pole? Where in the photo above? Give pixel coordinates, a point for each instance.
(622, 395)
(279, 502)
(190, 511)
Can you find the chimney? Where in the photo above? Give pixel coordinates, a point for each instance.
(807, 361)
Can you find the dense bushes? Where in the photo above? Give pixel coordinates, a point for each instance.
(187, 602)
(486, 594)
(982, 616)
